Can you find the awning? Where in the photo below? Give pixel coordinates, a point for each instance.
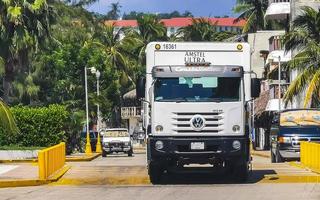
(273, 105)
(278, 11)
(274, 56)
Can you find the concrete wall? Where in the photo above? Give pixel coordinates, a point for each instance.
(260, 41)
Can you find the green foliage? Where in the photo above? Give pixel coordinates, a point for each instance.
(253, 11)
(43, 126)
(201, 29)
(7, 122)
(304, 36)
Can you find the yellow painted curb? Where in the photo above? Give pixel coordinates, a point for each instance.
(21, 183)
(20, 161)
(83, 158)
(59, 174)
(290, 179)
(33, 182)
(302, 166)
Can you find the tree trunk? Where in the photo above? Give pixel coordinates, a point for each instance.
(7, 81)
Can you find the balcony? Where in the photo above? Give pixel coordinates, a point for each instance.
(130, 112)
(278, 10)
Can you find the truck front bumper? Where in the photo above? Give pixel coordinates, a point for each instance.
(215, 149)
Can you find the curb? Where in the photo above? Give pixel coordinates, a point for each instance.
(33, 182)
(83, 158)
(301, 166)
(290, 179)
(20, 161)
(68, 159)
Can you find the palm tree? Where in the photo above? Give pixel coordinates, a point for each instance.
(305, 37)
(150, 29)
(7, 122)
(114, 13)
(253, 11)
(200, 30)
(23, 28)
(109, 39)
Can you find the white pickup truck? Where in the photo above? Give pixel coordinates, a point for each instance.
(116, 140)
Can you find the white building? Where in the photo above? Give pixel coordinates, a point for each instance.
(173, 24)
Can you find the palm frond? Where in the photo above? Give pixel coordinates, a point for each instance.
(7, 122)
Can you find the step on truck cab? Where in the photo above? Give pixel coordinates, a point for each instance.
(195, 106)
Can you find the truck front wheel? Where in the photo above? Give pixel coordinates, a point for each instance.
(241, 172)
(155, 172)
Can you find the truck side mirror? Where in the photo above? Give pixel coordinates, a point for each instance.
(140, 87)
(255, 87)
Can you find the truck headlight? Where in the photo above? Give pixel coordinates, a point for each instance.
(159, 145)
(236, 144)
(159, 128)
(236, 128)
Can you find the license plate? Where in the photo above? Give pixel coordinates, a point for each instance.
(197, 145)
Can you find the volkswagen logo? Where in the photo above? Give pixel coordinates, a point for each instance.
(197, 122)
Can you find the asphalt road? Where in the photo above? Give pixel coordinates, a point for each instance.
(91, 180)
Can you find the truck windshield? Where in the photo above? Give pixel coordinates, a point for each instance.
(197, 89)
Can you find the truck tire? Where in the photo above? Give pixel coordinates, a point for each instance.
(241, 172)
(130, 153)
(278, 157)
(104, 153)
(273, 157)
(155, 172)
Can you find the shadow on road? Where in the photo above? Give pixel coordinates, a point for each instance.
(212, 178)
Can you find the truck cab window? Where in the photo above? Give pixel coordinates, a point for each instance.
(194, 89)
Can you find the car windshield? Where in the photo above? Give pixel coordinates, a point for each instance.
(200, 89)
(116, 134)
(300, 118)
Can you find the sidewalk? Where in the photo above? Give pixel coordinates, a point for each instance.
(18, 171)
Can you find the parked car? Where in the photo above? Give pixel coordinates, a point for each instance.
(289, 128)
(93, 139)
(116, 140)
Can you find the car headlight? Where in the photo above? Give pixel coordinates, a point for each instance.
(236, 128)
(126, 143)
(236, 144)
(159, 128)
(159, 145)
(106, 144)
(284, 139)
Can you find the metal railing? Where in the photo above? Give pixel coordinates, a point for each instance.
(310, 155)
(51, 159)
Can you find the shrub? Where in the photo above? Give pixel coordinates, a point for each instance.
(40, 126)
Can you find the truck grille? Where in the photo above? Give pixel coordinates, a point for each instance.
(181, 122)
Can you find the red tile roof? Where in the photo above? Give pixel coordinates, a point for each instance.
(180, 22)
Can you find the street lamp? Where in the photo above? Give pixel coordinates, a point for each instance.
(279, 86)
(88, 150)
(98, 145)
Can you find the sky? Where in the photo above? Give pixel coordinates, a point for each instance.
(199, 8)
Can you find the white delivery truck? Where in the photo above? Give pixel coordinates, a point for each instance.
(195, 106)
